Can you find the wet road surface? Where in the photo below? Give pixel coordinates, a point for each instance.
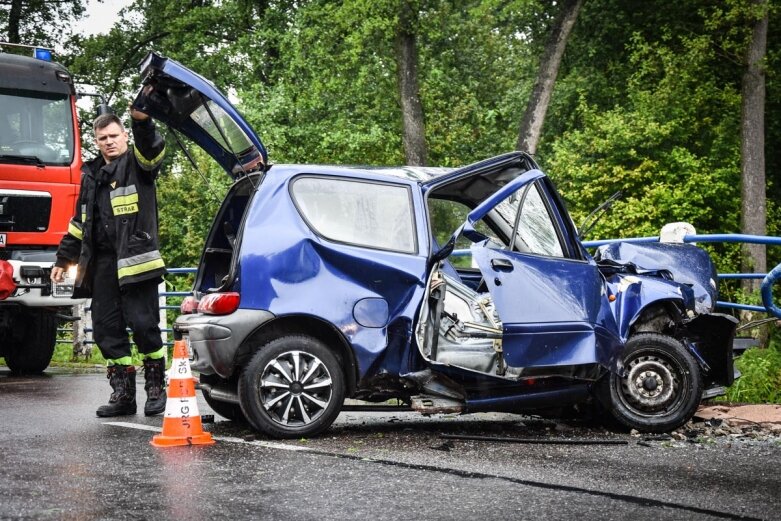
(59, 461)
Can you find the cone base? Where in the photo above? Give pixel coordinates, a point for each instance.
(161, 440)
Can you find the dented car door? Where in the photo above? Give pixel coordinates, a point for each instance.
(548, 294)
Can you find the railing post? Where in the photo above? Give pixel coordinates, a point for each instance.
(161, 300)
(767, 291)
(77, 335)
(80, 345)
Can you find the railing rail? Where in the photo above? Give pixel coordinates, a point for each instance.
(766, 288)
(81, 332)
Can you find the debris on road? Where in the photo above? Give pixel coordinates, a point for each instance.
(446, 446)
(554, 441)
(754, 422)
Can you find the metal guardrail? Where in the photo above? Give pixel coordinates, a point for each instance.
(86, 329)
(766, 288)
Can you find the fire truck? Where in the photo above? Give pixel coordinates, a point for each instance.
(40, 169)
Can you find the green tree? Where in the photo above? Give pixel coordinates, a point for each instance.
(752, 129)
(38, 22)
(660, 121)
(537, 106)
(189, 197)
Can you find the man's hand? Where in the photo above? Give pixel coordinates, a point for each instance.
(137, 114)
(57, 274)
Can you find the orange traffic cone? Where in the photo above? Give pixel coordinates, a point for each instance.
(182, 422)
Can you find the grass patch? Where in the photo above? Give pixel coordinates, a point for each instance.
(63, 357)
(760, 380)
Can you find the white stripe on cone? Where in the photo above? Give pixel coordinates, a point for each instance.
(181, 408)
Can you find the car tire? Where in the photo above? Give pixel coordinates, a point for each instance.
(293, 387)
(32, 354)
(661, 388)
(229, 410)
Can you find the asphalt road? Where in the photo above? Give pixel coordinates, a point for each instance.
(59, 461)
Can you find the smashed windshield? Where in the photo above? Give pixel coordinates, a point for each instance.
(36, 127)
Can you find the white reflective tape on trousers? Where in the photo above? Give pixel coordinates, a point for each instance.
(181, 408)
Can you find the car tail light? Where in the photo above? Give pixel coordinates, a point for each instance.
(189, 305)
(219, 303)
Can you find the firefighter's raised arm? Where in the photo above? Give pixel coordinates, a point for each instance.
(149, 145)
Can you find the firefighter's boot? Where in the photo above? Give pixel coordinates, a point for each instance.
(122, 379)
(154, 374)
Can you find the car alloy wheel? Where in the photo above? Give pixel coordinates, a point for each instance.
(295, 388)
(292, 387)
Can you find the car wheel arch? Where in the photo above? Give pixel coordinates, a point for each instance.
(646, 319)
(303, 325)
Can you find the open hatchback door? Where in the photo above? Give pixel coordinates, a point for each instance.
(188, 103)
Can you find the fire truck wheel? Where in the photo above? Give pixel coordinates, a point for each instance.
(33, 353)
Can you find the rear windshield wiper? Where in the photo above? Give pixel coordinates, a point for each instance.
(24, 160)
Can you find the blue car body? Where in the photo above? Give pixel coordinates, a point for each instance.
(346, 257)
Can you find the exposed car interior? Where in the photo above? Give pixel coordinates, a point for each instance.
(458, 324)
(218, 252)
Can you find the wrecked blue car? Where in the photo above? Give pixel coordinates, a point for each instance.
(320, 283)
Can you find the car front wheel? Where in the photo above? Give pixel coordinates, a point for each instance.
(661, 388)
(292, 387)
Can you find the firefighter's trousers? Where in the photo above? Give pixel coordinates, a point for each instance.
(113, 310)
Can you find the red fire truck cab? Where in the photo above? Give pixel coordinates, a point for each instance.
(40, 162)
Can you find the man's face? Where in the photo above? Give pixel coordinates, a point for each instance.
(111, 141)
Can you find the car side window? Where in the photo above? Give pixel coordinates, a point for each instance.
(536, 231)
(373, 215)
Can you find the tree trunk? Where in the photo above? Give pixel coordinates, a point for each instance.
(534, 117)
(14, 18)
(752, 148)
(414, 131)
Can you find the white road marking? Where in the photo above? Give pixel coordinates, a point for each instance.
(228, 439)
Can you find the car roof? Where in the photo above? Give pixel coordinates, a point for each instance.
(418, 174)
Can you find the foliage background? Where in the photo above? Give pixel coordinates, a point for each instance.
(647, 100)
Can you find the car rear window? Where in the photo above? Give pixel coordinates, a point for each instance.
(361, 213)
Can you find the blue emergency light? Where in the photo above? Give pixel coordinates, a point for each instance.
(42, 53)
(39, 53)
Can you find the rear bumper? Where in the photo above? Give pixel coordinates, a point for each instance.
(214, 340)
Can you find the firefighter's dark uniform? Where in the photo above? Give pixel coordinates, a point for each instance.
(114, 239)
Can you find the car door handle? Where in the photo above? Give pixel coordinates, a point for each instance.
(501, 265)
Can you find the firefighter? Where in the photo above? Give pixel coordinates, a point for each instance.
(113, 238)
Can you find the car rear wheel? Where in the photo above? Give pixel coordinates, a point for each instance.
(292, 387)
(661, 388)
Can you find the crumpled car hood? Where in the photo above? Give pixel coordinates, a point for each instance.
(686, 263)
